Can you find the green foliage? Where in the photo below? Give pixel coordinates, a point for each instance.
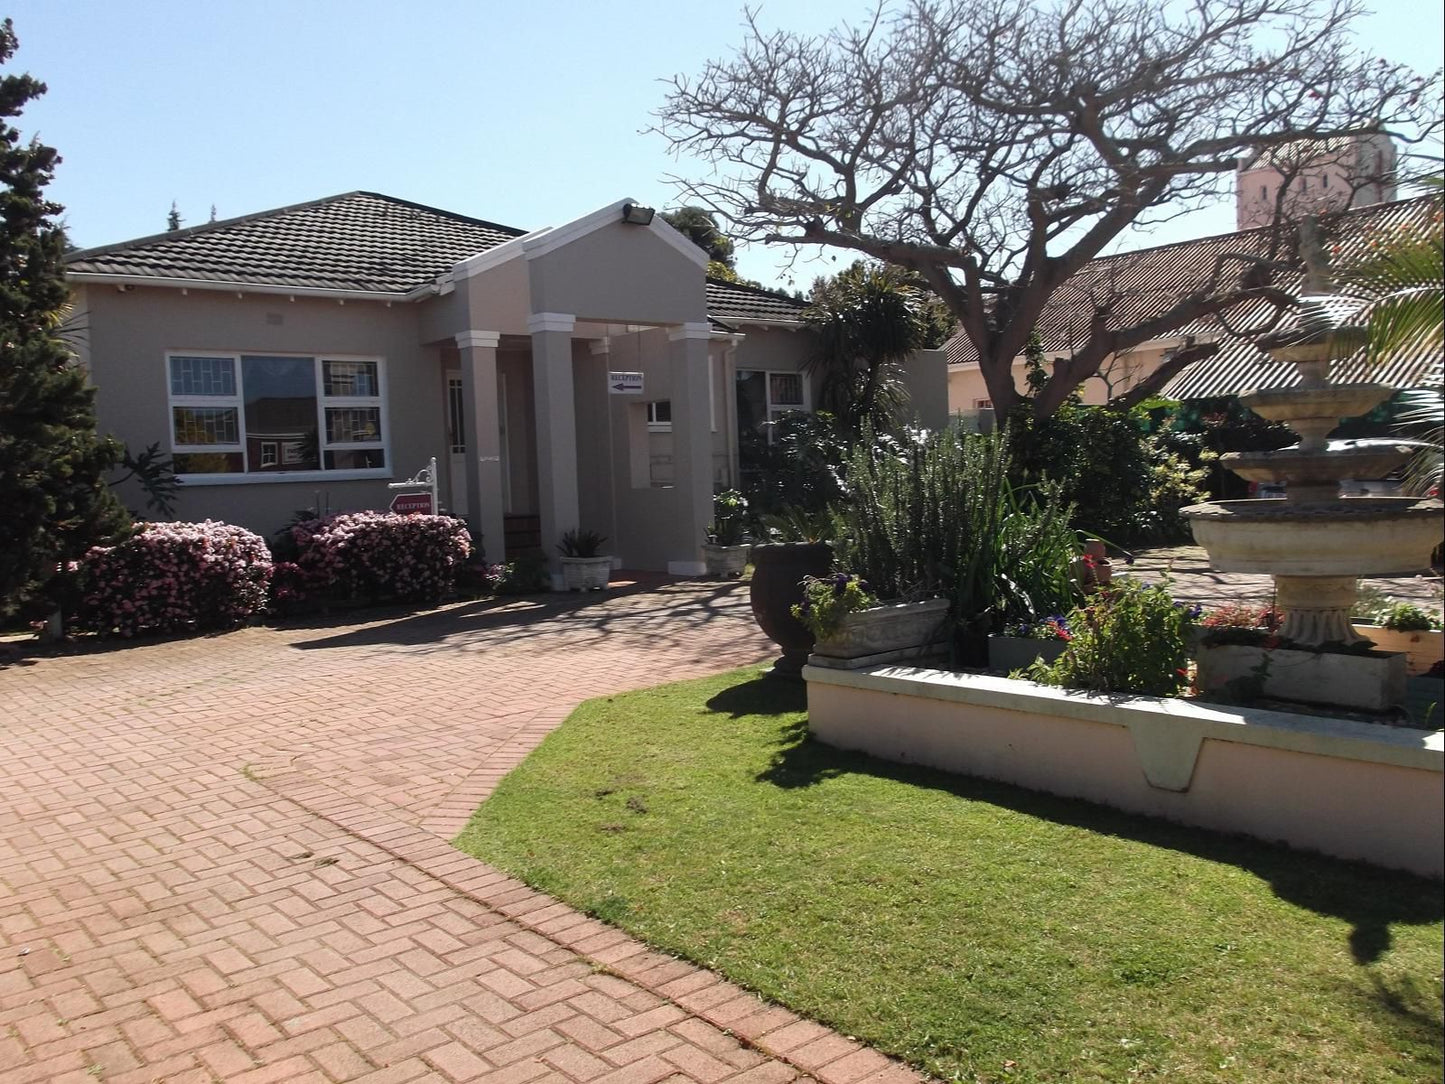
(1408, 617)
(154, 472)
(699, 226)
(1128, 638)
(935, 515)
(729, 519)
(868, 319)
(1373, 607)
(798, 471)
(580, 543)
(829, 599)
(52, 463)
(1126, 484)
(523, 576)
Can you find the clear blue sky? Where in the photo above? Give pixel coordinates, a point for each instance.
(526, 113)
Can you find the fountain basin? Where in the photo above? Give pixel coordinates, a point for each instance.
(1354, 536)
(1299, 466)
(1313, 413)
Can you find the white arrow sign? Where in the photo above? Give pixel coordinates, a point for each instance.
(624, 383)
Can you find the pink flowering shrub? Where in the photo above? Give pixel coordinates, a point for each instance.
(374, 555)
(171, 577)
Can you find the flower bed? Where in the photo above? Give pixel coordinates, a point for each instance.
(373, 555)
(171, 577)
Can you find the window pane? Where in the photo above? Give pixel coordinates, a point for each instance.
(281, 409)
(786, 389)
(359, 459)
(203, 376)
(353, 425)
(208, 463)
(351, 378)
(660, 412)
(205, 425)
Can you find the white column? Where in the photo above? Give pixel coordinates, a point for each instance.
(556, 413)
(478, 351)
(690, 376)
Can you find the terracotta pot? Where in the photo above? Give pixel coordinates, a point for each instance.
(777, 585)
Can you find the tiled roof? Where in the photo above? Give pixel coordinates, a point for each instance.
(356, 241)
(1146, 282)
(734, 303)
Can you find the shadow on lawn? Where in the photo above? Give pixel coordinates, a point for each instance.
(1367, 898)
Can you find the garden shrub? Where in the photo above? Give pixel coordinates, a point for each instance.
(170, 577)
(1128, 638)
(935, 514)
(376, 555)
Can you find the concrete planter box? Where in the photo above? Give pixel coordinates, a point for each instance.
(1010, 653)
(1364, 682)
(1422, 650)
(1350, 789)
(882, 634)
(585, 573)
(724, 561)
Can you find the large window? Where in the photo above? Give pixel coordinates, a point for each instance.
(272, 414)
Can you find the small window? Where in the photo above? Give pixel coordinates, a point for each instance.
(785, 390)
(983, 404)
(659, 416)
(270, 453)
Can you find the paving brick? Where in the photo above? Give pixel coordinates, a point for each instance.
(305, 919)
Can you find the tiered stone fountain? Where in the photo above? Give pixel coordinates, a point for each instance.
(1316, 543)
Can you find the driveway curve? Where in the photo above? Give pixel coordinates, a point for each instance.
(226, 858)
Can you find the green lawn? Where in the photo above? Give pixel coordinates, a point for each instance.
(965, 925)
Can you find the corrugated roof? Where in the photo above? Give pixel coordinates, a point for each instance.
(1145, 283)
(356, 241)
(735, 303)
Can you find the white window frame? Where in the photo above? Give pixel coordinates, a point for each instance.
(653, 425)
(772, 410)
(238, 402)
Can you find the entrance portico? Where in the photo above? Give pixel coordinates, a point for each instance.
(572, 305)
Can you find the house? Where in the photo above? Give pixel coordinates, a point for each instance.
(306, 357)
(1143, 284)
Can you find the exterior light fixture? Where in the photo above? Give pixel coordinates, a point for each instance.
(637, 215)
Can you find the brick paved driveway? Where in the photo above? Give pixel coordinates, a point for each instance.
(226, 859)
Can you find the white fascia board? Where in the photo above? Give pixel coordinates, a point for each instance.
(83, 277)
(785, 325)
(495, 257)
(540, 245)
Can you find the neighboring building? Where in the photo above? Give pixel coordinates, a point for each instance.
(1145, 283)
(1318, 177)
(309, 355)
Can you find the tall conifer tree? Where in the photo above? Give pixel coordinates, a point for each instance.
(54, 502)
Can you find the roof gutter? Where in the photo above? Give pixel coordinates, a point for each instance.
(84, 278)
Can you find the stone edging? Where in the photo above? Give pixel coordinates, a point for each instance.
(805, 1045)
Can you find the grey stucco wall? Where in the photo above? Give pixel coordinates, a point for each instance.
(619, 272)
(129, 334)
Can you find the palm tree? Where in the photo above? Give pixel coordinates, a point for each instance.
(1402, 275)
(869, 319)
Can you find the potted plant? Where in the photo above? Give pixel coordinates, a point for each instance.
(1406, 628)
(1023, 643)
(852, 628)
(726, 549)
(584, 566)
(797, 550)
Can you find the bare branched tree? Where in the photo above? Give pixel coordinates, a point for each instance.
(998, 146)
